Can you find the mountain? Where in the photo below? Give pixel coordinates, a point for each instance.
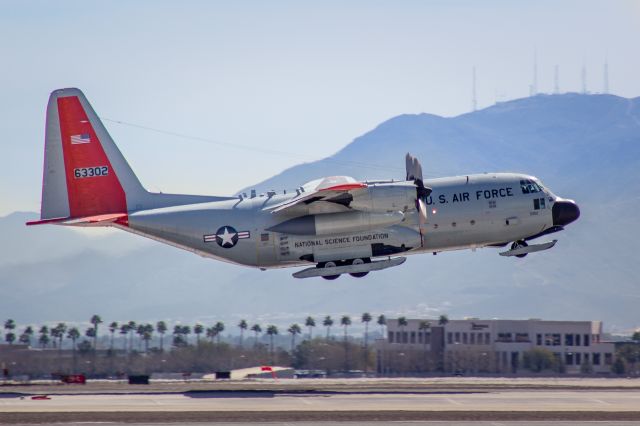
(585, 147)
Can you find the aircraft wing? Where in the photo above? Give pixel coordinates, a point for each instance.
(332, 198)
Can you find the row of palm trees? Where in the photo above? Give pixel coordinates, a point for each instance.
(55, 335)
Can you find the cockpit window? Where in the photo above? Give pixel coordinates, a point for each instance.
(529, 187)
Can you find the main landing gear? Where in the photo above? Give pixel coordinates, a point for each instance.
(351, 262)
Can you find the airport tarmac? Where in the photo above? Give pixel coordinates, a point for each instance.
(319, 402)
(356, 423)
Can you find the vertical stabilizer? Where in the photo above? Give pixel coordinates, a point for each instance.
(84, 172)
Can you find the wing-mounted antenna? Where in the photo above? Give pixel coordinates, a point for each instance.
(414, 173)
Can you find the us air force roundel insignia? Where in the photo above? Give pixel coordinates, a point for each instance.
(226, 236)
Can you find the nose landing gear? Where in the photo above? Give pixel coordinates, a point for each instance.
(519, 244)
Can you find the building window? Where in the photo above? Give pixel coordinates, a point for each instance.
(586, 340)
(556, 340)
(487, 338)
(405, 337)
(450, 338)
(578, 358)
(608, 358)
(457, 337)
(568, 339)
(464, 338)
(391, 337)
(420, 337)
(522, 337)
(504, 337)
(568, 358)
(577, 340)
(472, 338)
(413, 337)
(539, 339)
(548, 339)
(596, 358)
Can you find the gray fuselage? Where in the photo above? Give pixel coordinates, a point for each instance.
(462, 212)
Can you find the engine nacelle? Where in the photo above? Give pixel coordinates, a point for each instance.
(337, 223)
(386, 197)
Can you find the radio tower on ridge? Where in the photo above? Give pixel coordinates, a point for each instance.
(474, 99)
(533, 90)
(584, 78)
(605, 88)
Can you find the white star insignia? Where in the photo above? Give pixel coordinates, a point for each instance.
(227, 237)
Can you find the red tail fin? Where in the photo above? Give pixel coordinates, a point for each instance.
(92, 184)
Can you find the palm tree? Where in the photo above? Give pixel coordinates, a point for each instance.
(25, 337)
(211, 333)
(272, 330)
(44, 336)
(256, 329)
(43, 340)
(58, 332)
(178, 339)
(382, 322)
(423, 327)
(73, 334)
(345, 321)
(219, 328)
(327, 322)
(310, 322)
(90, 332)
(294, 329)
(198, 329)
(366, 319)
(124, 330)
(146, 336)
(161, 328)
(95, 320)
(9, 325)
(140, 330)
(402, 323)
(132, 329)
(243, 326)
(443, 320)
(112, 329)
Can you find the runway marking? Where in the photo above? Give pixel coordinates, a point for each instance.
(454, 402)
(599, 401)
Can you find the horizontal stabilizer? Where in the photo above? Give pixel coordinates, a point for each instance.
(529, 249)
(98, 220)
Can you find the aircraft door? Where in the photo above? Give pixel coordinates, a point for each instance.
(266, 248)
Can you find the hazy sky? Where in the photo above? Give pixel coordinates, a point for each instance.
(303, 78)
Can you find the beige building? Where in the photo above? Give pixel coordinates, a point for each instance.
(492, 346)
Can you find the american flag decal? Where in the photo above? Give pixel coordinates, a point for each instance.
(80, 139)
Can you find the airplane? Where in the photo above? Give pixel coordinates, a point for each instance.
(333, 225)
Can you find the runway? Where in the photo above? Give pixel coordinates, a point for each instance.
(288, 402)
(584, 401)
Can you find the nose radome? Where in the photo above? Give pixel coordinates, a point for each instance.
(564, 212)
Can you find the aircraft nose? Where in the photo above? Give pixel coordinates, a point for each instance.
(564, 212)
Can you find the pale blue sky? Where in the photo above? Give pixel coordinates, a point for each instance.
(299, 77)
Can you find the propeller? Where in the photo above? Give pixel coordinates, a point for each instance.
(414, 173)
